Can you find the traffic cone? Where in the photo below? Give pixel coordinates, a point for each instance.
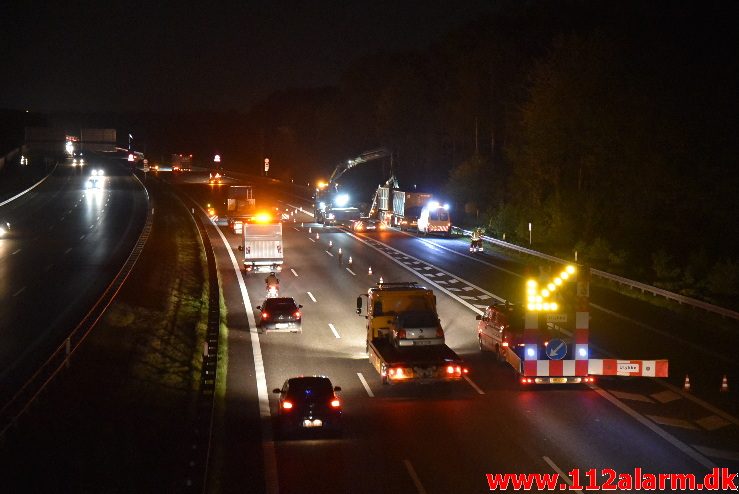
(330, 243)
(369, 272)
(381, 280)
(318, 236)
(339, 250)
(724, 385)
(309, 228)
(350, 260)
(686, 386)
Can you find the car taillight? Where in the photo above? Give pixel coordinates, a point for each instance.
(401, 334)
(265, 315)
(439, 333)
(466, 370)
(450, 369)
(297, 314)
(505, 343)
(286, 405)
(335, 403)
(526, 380)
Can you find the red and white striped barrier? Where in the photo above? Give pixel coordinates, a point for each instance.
(595, 367)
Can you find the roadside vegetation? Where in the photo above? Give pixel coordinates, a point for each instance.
(119, 420)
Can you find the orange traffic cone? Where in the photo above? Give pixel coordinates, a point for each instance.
(381, 279)
(350, 260)
(369, 272)
(686, 386)
(724, 384)
(318, 235)
(309, 228)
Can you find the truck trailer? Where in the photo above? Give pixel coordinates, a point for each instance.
(262, 245)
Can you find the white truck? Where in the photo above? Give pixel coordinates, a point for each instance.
(262, 245)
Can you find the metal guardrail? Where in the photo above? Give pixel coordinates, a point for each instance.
(636, 285)
(59, 359)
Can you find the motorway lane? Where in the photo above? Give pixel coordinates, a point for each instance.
(67, 244)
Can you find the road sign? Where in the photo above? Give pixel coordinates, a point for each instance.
(556, 349)
(556, 318)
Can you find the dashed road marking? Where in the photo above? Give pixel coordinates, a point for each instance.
(15, 252)
(718, 453)
(712, 422)
(672, 422)
(327, 252)
(293, 271)
(311, 296)
(68, 250)
(622, 395)
(562, 475)
(19, 292)
(333, 330)
(665, 396)
(366, 386)
(414, 477)
(82, 237)
(474, 386)
(352, 272)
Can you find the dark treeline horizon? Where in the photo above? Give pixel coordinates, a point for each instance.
(610, 126)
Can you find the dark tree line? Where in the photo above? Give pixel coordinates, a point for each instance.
(611, 126)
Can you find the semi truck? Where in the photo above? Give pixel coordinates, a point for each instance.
(262, 244)
(405, 340)
(240, 206)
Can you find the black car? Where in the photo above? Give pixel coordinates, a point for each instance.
(309, 403)
(280, 314)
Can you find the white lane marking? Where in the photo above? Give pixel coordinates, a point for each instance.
(82, 237)
(366, 386)
(311, 240)
(28, 189)
(562, 476)
(654, 428)
(15, 252)
(414, 477)
(352, 272)
(293, 271)
(672, 422)
(19, 292)
(327, 252)
(62, 218)
(92, 226)
(271, 478)
(474, 386)
(718, 453)
(333, 330)
(311, 296)
(428, 242)
(68, 250)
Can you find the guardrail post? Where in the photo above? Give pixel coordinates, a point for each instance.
(67, 351)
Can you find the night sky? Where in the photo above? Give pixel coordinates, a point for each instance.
(134, 56)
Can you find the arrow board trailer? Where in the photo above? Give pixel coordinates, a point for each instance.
(262, 246)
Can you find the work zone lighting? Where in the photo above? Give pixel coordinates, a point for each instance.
(537, 300)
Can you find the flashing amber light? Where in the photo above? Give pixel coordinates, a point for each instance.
(570, 269)
(263, 218)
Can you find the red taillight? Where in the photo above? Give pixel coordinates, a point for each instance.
(335, 403)
(265, 315)
(505, 343)
(526, 380)
(450, 369)
(401, 334)
(439, 333)
(286, 405)
(297, 314)
(466, 370)
(458, 370)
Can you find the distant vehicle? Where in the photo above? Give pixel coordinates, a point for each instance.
(435, 219)
(4, 229)
(280, 314)
(262, 244)
(215, 178)
(181, 162)
(308, 403)
(240, 206)
(368, 225)
(96, 179)
(407, 208)
(342, 216)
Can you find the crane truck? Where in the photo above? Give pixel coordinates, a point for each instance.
(405, 340)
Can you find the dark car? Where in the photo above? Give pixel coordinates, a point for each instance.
(368, 225)
(308, 403)
(280, 314)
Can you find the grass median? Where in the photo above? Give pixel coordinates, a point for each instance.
(119, 420)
